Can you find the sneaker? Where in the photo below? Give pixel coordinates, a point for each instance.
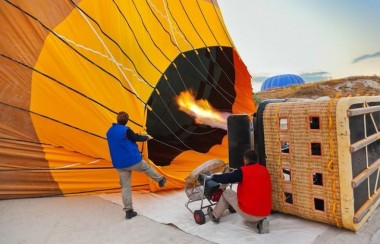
(263, 226)
(162, 182)
(211, 215)
(130, 214)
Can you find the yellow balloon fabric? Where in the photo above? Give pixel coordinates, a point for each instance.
(68, 67)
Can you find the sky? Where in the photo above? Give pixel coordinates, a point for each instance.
(315, 39)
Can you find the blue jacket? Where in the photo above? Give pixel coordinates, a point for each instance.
(124, 152)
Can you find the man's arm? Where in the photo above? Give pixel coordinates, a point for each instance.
(226, 178)
(135, 137)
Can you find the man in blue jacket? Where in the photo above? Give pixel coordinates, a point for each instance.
(126, 157)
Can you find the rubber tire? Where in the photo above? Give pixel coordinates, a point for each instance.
(199, 217)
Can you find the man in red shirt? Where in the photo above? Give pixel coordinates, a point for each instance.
(253, 199)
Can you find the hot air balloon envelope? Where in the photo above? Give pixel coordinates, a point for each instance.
(281, 81)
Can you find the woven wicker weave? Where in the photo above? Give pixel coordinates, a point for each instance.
(316, 180)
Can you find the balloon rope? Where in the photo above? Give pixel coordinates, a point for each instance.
(154, 9)
(200, 61)
(228, 37)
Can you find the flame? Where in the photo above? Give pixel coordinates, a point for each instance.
(202, 111)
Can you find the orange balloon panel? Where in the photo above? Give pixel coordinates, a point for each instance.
(68, 67)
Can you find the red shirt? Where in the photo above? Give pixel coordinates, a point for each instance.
(254, 192)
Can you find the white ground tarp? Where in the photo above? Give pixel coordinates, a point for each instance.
(168, 207)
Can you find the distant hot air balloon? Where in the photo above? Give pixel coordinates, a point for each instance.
(281, 81)
(67, 67)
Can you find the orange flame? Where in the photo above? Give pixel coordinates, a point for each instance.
(202, 111)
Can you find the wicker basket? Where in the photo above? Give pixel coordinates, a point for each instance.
(324, 158)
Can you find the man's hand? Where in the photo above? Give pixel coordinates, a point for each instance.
(149, 137)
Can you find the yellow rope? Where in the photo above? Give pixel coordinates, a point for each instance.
(330, 165)
(292, 153)
(279, 164)
(309, 165)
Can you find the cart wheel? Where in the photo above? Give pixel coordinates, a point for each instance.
(199, 217)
